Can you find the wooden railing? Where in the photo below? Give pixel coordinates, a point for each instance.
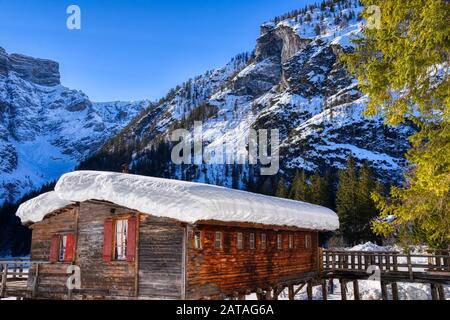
(432, 261)
(14, 275)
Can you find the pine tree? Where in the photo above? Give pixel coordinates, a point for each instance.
(281, 189)
(346, 201)
(318, 190)
(412, 42)
(366, 206)
(300, 189)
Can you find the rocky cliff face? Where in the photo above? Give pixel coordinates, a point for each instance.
(39, 71)
(46, 128)
(293, 82)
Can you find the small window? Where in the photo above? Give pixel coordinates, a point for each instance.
(62, 247)
(120, 246)
(218, 240)
(279, 241)
(252, 241)
(263, 241)
(291, 241)
(198, 240)
(308, 242)
(239, 240)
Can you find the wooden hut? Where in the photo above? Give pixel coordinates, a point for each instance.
(136, 237)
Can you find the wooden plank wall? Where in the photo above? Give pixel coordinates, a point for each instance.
(115, 278)
(212, 272)
(161, 258)
(52, 277)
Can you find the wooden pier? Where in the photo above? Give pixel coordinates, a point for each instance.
(348, 267)
(390, 268)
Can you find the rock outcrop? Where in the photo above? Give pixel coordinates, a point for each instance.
(39, 71)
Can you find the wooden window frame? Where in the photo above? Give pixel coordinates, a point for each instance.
(62, 247)
(198, 245)
(308, 242)
(216, 233)
(114, 256)
(291, 241)
(252, 241)
(264, 242)
(240, 241)
(279, 241)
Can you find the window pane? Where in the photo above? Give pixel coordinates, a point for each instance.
(62, 248)
(239, 240)
(252, 241)
(218, 240)
(121, 239)
(263, 241)
(279, 241)
(307, 241)
(291, 241)
(197, 240)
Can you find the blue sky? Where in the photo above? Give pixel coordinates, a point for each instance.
(135, 49)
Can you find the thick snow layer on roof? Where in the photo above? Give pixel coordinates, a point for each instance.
(186, 201)
(35, 209)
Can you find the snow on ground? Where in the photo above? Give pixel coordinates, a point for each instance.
(184, 201)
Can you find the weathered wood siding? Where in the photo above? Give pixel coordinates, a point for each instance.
(211, 272)
(52, 277)
(112, 278)
(161, 264)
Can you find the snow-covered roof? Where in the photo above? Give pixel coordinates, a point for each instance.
(35, 209)
(185, 201)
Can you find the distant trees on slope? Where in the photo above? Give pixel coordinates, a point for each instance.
(348, 193)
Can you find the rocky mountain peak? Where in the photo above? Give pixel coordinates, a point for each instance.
(39, 71)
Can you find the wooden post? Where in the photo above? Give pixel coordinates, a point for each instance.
(291, 292)
(275, 294)
(343, 289)
(434, 291)
(388, 261)
(309, 290)
(3, 283)
(441, 291)
(269, 294)
(332, 261)
(394, 291)
(410, 270)
(395, 262)
(324, 290)
(259, 294)
(356, 289)
(384, 294)
(35, 282)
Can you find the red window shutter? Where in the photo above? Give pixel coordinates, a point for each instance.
(131, 239)
(54, 248)
(107, 240)
(70, 245)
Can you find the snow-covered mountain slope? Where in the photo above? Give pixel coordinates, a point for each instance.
(46, 129)
(293, 82)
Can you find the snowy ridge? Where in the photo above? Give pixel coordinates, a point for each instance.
(294, 82)
(63, 125)
(184, 201)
